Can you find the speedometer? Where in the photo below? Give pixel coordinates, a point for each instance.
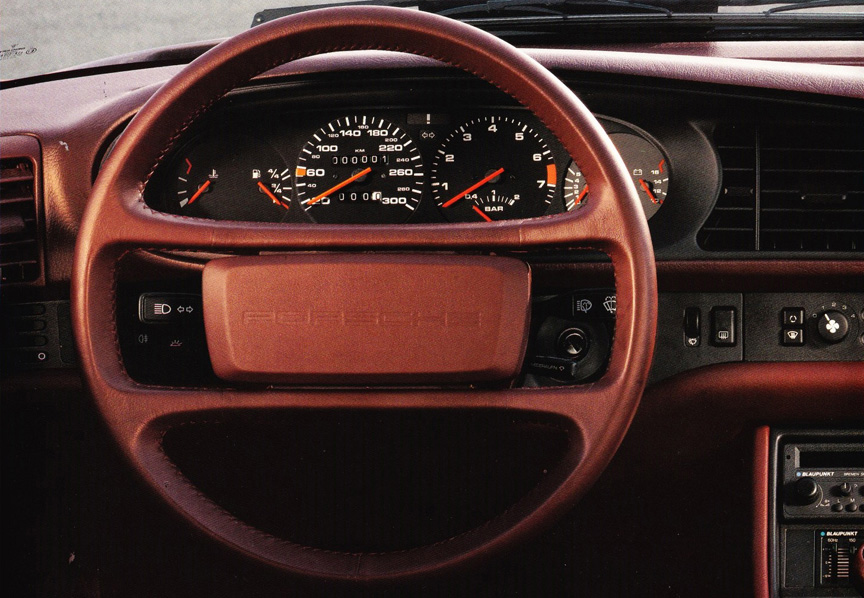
(360, 170)
(493, 168)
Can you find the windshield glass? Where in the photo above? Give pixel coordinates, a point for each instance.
(50, 35)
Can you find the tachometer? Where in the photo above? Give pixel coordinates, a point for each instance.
(359, 170)
(493, 168)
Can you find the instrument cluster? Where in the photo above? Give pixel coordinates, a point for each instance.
(389, 167)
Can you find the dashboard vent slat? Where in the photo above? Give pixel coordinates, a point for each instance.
(732, 224)
(20, 259)
(808, 187)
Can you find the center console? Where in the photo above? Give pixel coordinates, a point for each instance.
(816, 525)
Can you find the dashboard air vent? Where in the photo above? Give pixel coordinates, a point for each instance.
(788, 187)
(19, 231)
(812, 196)
(732, 223)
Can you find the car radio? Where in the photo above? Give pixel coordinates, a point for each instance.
(823, 480)
(819, 523)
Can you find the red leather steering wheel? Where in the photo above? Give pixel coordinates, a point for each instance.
(117, 221)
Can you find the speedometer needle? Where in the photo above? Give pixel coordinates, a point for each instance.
(269, 194)
(198, 193)
(335, 188)
(476, 185)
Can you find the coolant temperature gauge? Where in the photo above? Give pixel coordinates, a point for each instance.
(647, 166)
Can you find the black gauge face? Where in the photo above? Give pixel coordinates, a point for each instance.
(493, 168)
(253, 183)
(646, 165)
(361, 170)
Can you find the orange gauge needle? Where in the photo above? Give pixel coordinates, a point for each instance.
(479, 211)
(198, 193)
(647, 190)
(335, 188)
(269, 194)
(476, 185)
(582, 195)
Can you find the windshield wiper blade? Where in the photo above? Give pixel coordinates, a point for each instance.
(805, 4)
(562, 8)
(271, 14)
(498, 8)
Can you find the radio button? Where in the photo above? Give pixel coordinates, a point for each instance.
(851, 507)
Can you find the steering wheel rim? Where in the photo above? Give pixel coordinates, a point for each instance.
(139, 416)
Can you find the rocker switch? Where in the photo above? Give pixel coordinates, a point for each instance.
(723, 327)
(692, 327)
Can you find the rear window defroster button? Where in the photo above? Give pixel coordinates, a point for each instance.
(723, 332)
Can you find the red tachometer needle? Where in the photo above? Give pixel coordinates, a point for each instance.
(479, 211)
(335, 188)
(647, 190)
(476, 185)
(198, 193)
(269, 194)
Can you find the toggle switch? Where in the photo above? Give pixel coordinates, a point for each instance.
(692, 327)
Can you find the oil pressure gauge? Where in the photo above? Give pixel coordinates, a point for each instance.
(646, 164)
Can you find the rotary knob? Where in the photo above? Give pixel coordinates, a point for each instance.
(807, 491)
(833, 326)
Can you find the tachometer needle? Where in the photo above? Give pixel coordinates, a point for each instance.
(335, 188)
(476, 185)
(198, 193)
(479, 211)
(647, 190)
(269, 194)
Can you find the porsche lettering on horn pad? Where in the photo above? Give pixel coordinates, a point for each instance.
(365, 319)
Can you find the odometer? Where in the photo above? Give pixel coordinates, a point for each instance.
(359, 170)
(493, 168)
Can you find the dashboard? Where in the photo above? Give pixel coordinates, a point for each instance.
(751, 174)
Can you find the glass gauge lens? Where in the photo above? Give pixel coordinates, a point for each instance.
(252, 183)
(646, 164)
(359, 170)
(493, 168)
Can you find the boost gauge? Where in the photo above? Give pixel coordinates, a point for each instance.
(359, 170)
(646, 165)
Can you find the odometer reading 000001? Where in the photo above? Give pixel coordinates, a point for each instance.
(359, 169)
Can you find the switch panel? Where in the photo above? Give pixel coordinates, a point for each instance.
(803, 327)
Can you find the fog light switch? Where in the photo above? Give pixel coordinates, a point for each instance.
(723, 327)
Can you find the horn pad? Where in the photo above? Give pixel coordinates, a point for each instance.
(366, 319)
